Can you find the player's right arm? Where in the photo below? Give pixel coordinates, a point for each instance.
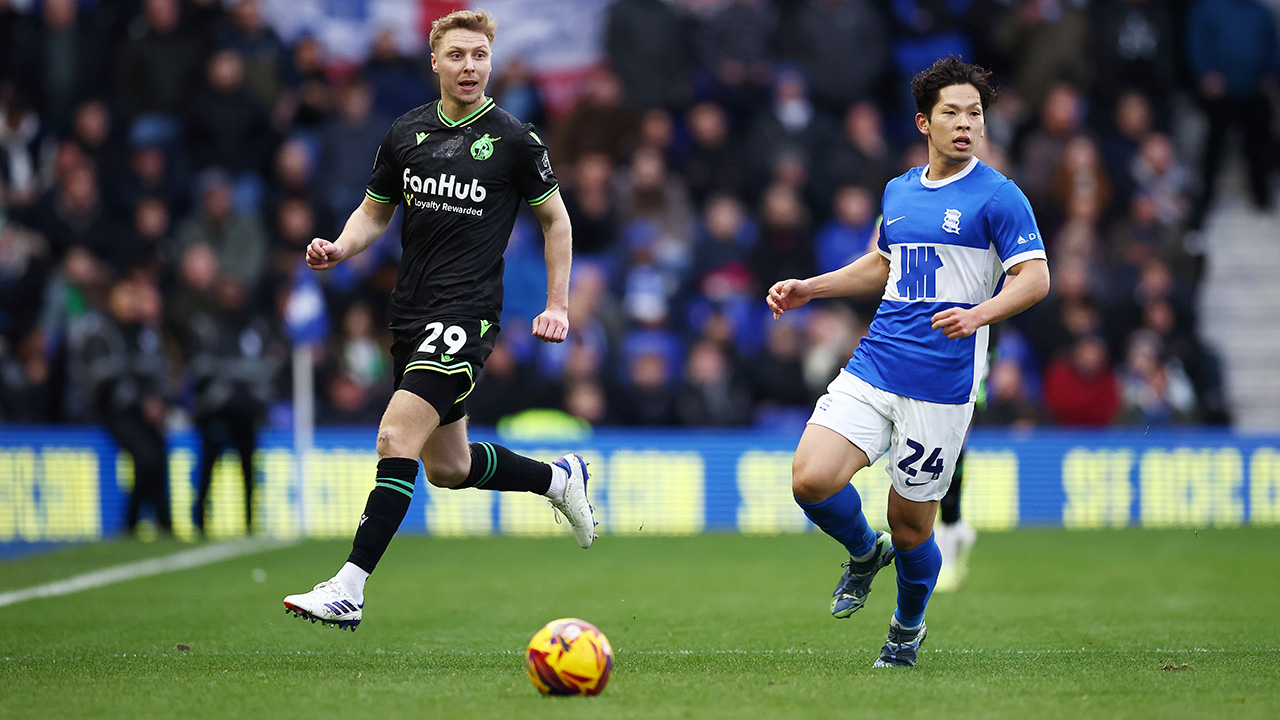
(371, 218)
(366, 224)
(865, 276)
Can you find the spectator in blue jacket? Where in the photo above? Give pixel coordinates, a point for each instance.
(1232, 49)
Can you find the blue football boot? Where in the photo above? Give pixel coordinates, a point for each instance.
(902, 647)
(855, 584)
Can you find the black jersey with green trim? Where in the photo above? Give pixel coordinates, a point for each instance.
(461, 183)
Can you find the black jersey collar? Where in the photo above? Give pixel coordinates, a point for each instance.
(474, 116)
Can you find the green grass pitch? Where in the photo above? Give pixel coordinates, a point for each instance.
(1052, 624)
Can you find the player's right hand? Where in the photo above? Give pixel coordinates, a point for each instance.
(788, 295)
(322, 254)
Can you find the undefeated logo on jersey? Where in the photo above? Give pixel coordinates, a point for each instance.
(445, 186)
(920, 267)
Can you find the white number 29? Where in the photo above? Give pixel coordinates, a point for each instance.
(454, 338)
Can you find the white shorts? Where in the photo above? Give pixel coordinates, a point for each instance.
(923, 439)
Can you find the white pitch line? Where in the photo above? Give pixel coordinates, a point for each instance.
(184, 560)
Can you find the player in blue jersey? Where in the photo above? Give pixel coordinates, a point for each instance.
(949, 231)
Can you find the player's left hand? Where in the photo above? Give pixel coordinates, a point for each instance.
(551, 325)
(957, 323)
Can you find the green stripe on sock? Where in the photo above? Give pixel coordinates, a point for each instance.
(407, 484)
(397, 488)
(491, 464)
(484, 476)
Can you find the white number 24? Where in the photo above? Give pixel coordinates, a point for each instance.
(454, 338)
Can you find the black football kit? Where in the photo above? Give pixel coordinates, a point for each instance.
(461, 183)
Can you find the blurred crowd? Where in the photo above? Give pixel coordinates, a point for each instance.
(163, 163)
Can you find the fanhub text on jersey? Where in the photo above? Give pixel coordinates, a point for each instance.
(445, 186)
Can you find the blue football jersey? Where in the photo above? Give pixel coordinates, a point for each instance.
(948, 243)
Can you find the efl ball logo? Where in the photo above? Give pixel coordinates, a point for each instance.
(569, 657)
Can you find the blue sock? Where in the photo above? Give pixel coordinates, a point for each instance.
(840, 516)
(917, 574)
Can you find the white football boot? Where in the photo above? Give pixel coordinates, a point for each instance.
(573, 505)
(329, 603)
(955, 542)
(966, 538)
(948, 576)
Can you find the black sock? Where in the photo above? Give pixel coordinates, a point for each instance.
(384, 511)
(950, 505)
(494, 467)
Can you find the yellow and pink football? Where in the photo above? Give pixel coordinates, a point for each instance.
(569, 657)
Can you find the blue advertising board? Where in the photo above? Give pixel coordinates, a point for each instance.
(72, 484)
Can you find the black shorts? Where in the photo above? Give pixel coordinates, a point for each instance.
(440, 362)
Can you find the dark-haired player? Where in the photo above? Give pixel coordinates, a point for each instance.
(462, 166)
(948, 232)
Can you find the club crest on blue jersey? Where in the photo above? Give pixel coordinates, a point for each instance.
(951, 221)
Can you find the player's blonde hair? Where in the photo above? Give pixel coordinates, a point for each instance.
(476, 20)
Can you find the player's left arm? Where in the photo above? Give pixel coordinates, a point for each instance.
(1011, 224)
(553, 324)
(1028, 284)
